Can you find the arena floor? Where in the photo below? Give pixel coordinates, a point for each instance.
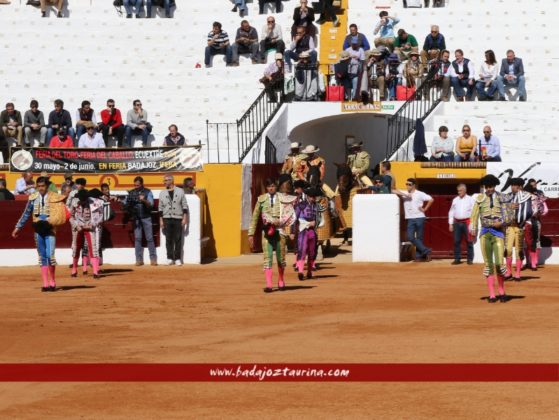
(409, 312)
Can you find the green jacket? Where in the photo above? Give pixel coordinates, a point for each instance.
(359, 162)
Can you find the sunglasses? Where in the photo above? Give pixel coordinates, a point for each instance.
(138, 105)
(487, 132)
(271, 21)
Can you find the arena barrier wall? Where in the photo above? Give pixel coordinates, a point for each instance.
(376, 228)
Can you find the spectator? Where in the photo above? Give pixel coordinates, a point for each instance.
(25, 184)
(272, 38)
(11, 122)
(356, 37)
(462, 75)
(388, 178)
(51, 185)
(442, 147)
(413, 70)
(301, 43)
(378, 186)
(274, 77)
(261, 6)
(188, 186)
(241, 6)
(174, 138)
(490, 146)
(84, 115)
(393, 76)
(34, 125)
(416, 204)
(327, 12)
(61, 140)
(91, 139)
(137, 124)
(68, 185)
(441, 79)
(458, 222)
(246, 41)
(486, 86)
(376, 70)
(173, 215)
(166, 4)
(4, 148)
(5, 194)
(58, 3)
(343, 75)
(385, 29)
(511, 74)
(433, 45)
(466, 146)
(139, 204)
(111, 123)
(218, 43)
(59, 118)
(357, 57)
(131, 5)
(404, 44)
(303, 16)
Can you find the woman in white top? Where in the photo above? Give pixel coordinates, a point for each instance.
(486, 85)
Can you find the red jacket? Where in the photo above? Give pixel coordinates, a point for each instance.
(55, 142)
(106, 117)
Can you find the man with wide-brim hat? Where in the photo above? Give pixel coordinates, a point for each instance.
(413, 70)
(293, 160)
(359, 161)
(376, 69)
(273, 77)
(488, 211)
(311, 159)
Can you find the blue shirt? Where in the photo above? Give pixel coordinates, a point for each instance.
(492, 145)
(387, 31)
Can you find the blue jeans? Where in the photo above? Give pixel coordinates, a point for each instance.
(138, 5)
(482, 93)
(136, 131)
(459, 85)
(241, 4)
(415, 235)
(166, 5)
(519, 83)
(51, 132)
(292, 55)
(147, 227)
(211, 51)
(46, 245)
(461, 231)
(392, 88)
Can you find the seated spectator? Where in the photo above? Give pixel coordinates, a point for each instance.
(385, 29)
(91, 139)
(393, 76)
(272, 38)
(301, 43)
(342, 73)
(261, 6)
(166, 4)
(303, 16)
(441, 79)
(462, 75)
(241, 6)
(307, 79)
(84, 115)
(137, 123)
(486, 86)
(273, 78)
(111, 123)
(34, 125)
(59, 118)
(4, 148)
(355, 36)
(12, 126)
(327, 12)
(58, 3)
(511, 74)
(404, 44)
(466, 146)
(218, 43)
(374, 76)
(442, 147)
(490, 146)
(378, 186)
(357, 57)
(174, 138)
(413, 70)
(188, 186)
(246, 41)
(133, 5)
(433, 45)
(5, 194)
(61, 140)
(25, 184)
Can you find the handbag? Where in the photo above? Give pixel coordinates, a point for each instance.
(335, 93)
(404, 93)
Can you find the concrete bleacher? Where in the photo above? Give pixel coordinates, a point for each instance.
(95, 54)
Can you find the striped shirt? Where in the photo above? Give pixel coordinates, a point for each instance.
(220, 39)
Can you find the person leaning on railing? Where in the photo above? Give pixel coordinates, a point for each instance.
(274, 77)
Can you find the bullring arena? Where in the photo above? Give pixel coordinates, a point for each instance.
(147, 341)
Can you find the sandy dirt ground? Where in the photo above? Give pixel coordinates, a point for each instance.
(355, 313)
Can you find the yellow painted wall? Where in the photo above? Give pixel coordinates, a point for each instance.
(405, 170)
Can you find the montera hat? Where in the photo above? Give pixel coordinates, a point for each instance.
(313, 192)
(517, 181)
(490, 181)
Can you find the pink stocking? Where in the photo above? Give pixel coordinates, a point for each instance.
(95, 264)
(45, 275)
(85, 263)
(300, 266)
(281, 270)
(535, 263)
(501, 281)
(74, 266)
(52, 270)
(491, 285)
(268, 275)
(509, 267)
(518, 268)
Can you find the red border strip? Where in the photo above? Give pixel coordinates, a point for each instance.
(284, 372)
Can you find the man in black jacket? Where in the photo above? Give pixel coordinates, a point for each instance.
(60, 118)
(511, 74)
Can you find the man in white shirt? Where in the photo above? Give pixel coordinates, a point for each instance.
(271, 38)
(25, 184)
(416, 204)
(459, 221)
(462, 75)
(91, 139)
